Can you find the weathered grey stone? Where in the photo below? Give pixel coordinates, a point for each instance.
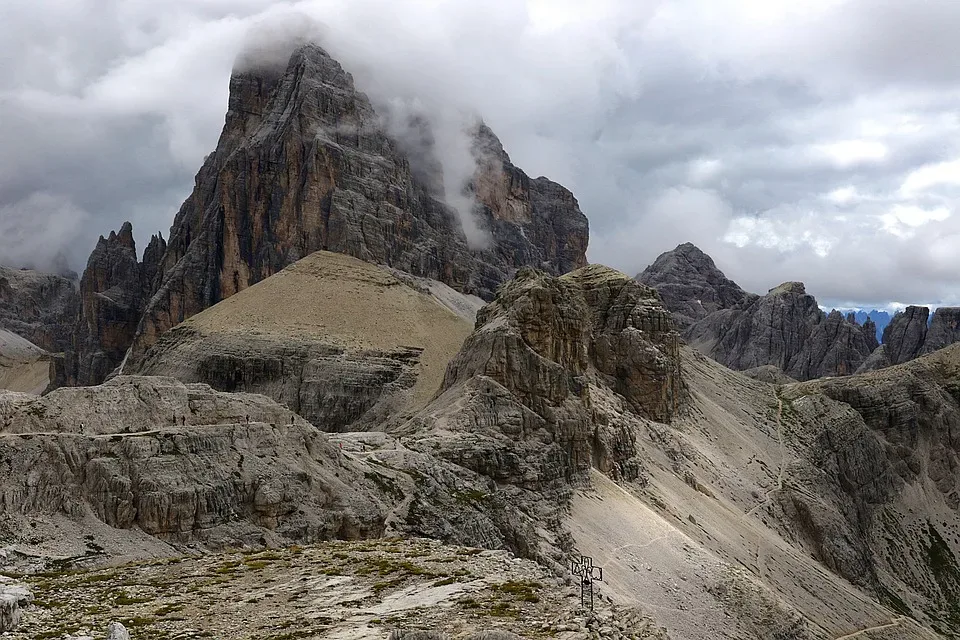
(690, 284)
(903, 337)
(116, 631)
(13, 597)
(784, 329)
(944, 329)
(39, 307)
(180, 462)
(113, 291)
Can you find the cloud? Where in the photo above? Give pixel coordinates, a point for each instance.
(815, 141)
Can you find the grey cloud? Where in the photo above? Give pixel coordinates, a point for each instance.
(693, 120)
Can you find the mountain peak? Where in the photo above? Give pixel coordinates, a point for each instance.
(690, 284)
(797, 288)
(321, 169)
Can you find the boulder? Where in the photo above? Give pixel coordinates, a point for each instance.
(13, 598)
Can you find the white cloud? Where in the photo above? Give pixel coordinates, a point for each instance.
(849, 153)
(931, 175)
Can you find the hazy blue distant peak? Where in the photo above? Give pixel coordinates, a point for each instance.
(880, 318)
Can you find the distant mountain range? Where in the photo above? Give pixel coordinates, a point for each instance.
(785, 331)
(880, 318)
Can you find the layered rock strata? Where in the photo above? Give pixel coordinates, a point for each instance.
(38, 307)
(360, 346)
(785, 328)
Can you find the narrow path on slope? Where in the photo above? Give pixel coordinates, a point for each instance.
(783, 460)
(896, 622)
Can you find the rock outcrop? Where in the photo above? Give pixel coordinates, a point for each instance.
(178, 462)
(785, 328)
(360, 345)
(523, 395)
(904, 337)
(13, 598)
(39, 307)
(304, 163)
(943, 331)
(113, 293)
(690, 284)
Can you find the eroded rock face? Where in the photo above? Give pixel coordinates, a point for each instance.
(523, 397)
(304, 164)
(944, 329)
(13, 598)
(179, 462)
(784, 329)
(903, 338)
(885, 453)
(690, 284)
(112, 296)
(39, 307)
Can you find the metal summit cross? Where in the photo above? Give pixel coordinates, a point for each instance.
(584, 569)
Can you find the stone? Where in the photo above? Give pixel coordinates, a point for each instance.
(535, 397)
(113, 291)
(13, 598)
(944, 329)
(361, 346)
(691, 285)
(903, 338)
(38, 307)
(179, 462)
(304, 163)
(784, 329)
(116, 631)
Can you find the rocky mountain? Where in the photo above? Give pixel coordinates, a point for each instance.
(113, 292)
(378, 353)
(784, 328)
(879, 318)
(912, 333)
(691, 285)
(304, 163)
(365, 394)
(38, 307)
(571, 420)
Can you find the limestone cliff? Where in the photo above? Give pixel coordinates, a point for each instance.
(113, 292)
(786, 329)
(38, 307)
(179, 462)
(912, 333)
(304, 163)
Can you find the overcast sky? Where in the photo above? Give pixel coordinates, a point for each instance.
(815, 140)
